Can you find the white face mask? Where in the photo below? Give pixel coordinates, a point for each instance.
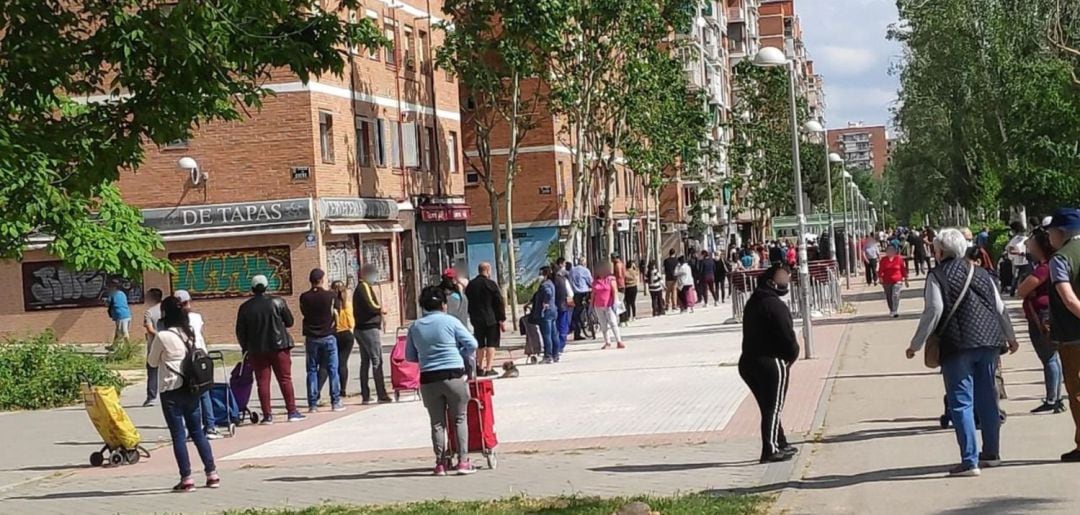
(371, 278)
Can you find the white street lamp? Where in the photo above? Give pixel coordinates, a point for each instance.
(848, 252)
(771, 57)
(815, 127)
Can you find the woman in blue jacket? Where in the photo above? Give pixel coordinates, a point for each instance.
(544, 304)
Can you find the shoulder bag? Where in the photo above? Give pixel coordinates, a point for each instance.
(932, 353)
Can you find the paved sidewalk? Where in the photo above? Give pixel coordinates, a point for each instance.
(882, 450)
(668, 414)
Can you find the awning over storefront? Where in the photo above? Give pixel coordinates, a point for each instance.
(364, 227)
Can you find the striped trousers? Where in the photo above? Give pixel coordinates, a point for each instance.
(767, 379)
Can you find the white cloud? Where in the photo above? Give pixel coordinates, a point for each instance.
(844, 60)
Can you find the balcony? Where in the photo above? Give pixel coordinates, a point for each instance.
(712, 51)
(709, 11)
(736, 14)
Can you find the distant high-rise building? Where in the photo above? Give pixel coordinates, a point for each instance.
(862, 146)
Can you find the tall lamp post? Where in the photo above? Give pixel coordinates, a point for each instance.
(849, 262)
(771, 57)
(873, 217)
(815, 127)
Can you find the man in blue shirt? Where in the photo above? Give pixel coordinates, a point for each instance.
(117, 303)
(581, 280)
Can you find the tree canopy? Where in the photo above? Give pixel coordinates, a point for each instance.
(157, 70)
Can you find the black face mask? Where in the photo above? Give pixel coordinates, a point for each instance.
(781, 289)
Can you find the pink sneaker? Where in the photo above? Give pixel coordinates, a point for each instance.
(440, 468)
(465, 467)
(621, 345)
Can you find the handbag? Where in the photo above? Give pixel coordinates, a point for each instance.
(932, 352)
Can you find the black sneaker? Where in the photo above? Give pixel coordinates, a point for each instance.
(777, 457)
(790, 449)
(1072, 456)
(1059, 407)
(989, 460)
(1044, 407)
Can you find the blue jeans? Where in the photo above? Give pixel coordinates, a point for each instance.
(322, 353)
(563, 328)
(970, 388)
(183, 415)
(206, 406)
(551, 340)
(1051, 362)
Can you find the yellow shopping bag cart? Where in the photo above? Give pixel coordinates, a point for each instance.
(122, 441)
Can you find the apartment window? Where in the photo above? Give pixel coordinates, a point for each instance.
(395, 144)
(176, 144)
(561, 173)
(421, 42)
(326, 136)
(353, 19)
(373, 52)
(380, 142)
(391, 50)
(363, 142)
(410, 148)
(429, 151)
(452, 151)
(407, 44)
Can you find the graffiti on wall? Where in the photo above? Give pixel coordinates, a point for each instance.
(48, 285)
(216, 274)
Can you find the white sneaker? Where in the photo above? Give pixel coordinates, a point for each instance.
(213, 435)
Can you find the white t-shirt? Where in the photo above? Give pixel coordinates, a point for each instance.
(196, 321)
(1017, 245)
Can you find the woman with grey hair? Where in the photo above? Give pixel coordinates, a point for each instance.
(965, 313)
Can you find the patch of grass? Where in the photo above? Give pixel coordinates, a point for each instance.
(36, 372)
(131, 355)
(691, 504)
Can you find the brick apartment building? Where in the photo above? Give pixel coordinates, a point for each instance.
(863, 147)
(341, 171)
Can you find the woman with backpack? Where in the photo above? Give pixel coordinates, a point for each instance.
(181, 360)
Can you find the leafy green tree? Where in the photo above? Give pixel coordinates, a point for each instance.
(499, 49)
(164, 68)
(601, 46)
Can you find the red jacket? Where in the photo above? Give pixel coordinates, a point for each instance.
(892, 270)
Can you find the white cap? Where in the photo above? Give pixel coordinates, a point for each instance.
(1047, 220)
(260, 280)
(182, 296)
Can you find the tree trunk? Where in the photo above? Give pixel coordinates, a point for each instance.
(511, 170)
(656, 233)
(496, 239)
(609, 222)
(573, 245)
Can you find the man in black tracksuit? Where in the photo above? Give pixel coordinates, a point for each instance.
(769, 348)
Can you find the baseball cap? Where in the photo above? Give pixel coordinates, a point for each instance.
(182, 296)
(1065, 218)
(449, 273)
(316, 275)
(260, 280)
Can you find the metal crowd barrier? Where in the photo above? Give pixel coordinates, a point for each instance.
(825, 293)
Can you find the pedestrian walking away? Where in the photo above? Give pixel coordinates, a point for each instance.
(172, 347)
(1016, 251)
(970, 325)
(671, 265)
(708, 278)
(581, 280)
(151, 318)
(633, 278)
(769, 348)
(487, 312)
(368, 314)
(870, 255)
(892, 271)
(344, 326)
(262, 329)
(564, 302)
(723, 269)
(1064, 229)
(116, 302)
(605, 298)
(656, 289)
(320, 346)
(442, 346)
(685, 278)
(1035, 290)
(197, 323)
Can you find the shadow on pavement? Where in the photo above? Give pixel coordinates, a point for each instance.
(879, 294)
(875, 434)
(875, 476)
(898, 419)
(1002, 506)
(90, 494)
(875, 376)
(96, 444)
(883, 317)
(48, 468)
(672, 467)
(374, 474)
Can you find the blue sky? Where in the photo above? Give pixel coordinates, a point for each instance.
(846, 39)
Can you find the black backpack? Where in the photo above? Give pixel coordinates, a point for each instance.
(197, 369)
